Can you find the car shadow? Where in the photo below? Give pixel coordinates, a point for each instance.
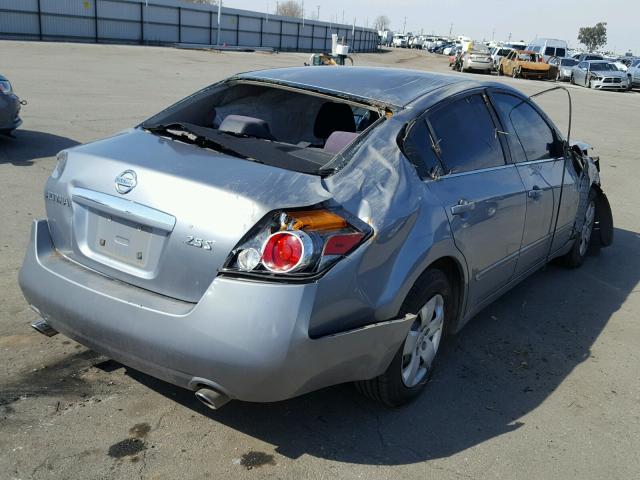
(500, 367)
(25, 146)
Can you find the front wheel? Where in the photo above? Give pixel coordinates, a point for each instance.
(431, 299)
(575, 257)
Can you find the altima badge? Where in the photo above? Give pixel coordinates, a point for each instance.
(126, 181)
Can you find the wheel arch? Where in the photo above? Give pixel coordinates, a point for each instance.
(455, 272)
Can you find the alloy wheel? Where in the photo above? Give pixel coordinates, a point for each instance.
(422, 342)
(587, 228)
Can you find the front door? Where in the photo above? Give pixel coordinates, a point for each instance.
(538, 154)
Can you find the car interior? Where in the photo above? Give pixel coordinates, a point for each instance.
(308, 126)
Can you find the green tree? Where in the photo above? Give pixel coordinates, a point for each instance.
(593, 37)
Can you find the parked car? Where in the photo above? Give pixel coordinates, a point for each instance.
(564, 67)
(526, 64)
(600, 75)
(230, 251)
(497, 53)
(447, 49)
(548, 47)
(10, 105)
(516, 45)
(583, 57)
(633, 74)
(477, 58)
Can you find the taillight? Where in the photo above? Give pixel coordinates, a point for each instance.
(287, 251)
(298, 243)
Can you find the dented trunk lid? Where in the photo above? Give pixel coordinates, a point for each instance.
(175, 212)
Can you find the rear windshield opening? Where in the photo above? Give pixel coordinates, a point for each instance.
(299, 127)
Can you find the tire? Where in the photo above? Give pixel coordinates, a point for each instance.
(514, 73)
(575, 257)
(589, 84)
(500, 71)
(558, 76)
(432, 294)
(572, 81)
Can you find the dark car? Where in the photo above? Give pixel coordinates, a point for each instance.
(9, 108)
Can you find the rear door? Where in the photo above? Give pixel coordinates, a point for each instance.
(537, 152)
(482, 194)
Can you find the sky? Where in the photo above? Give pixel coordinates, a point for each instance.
(485, 19)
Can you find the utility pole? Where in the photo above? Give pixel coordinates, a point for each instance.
(450, 29)
(318, 17)
(493, 34)
(219, 17)
(303, 14)
(509, 41)
(404, 25)
(343, 17)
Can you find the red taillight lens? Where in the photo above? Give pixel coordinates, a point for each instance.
(283, 252)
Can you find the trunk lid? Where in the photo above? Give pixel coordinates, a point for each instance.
(161, 214)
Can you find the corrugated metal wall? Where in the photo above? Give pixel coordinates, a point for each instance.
(168, 22)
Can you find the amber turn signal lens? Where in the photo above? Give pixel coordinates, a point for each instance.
(317, 220)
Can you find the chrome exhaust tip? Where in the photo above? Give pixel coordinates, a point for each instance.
(212, 399)
(44, 328)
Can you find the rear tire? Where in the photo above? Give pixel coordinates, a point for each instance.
(432, 299)
(575, 257)
(572, 80)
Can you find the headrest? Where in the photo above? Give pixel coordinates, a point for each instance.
(241, 125)
(338, 140)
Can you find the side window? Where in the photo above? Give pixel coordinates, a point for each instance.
(418, 148)
(560, 52)
(549, 51)
(465, 135)
(530, 137)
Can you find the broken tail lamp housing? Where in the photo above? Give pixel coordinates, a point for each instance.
(297, 243)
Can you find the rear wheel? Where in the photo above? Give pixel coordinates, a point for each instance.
(578, 252)
(431, 299)
(500, 71)
(514, 72)
(572, 80)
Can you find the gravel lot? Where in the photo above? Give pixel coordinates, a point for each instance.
(542, 384)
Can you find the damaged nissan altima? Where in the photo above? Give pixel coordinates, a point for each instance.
(290, 229)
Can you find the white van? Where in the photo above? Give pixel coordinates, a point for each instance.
(549, 47)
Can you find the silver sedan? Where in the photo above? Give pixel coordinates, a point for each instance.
(599, 75)
(290, 229)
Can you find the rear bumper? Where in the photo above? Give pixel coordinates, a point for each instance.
(478, 65)
(246, 339)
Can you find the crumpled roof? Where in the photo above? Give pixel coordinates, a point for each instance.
(392, 86)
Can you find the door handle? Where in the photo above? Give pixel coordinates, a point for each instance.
(535, 192)
(463, 206)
